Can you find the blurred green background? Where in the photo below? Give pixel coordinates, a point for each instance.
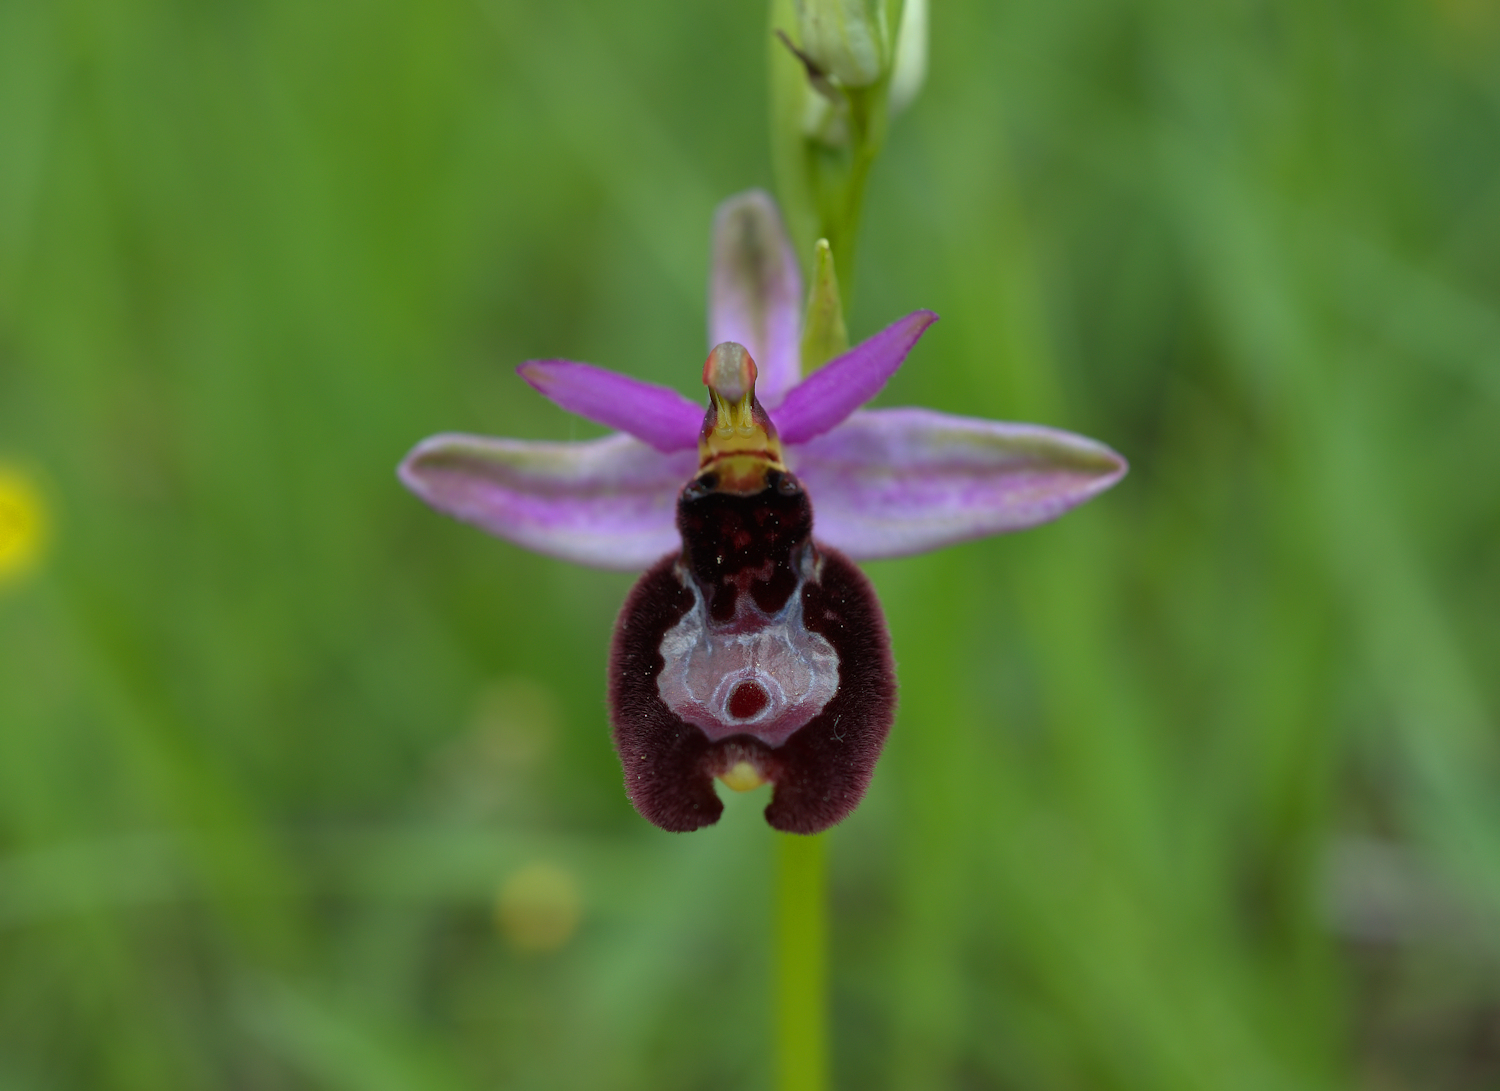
(304, 786)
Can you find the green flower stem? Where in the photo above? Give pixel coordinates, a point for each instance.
(842, 184)
(802, 963)
(821, 175)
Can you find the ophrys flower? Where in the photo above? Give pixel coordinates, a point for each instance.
(753, 649)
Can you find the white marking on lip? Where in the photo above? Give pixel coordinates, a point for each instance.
(704, 661)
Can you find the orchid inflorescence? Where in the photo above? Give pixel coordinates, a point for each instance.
(752, 649)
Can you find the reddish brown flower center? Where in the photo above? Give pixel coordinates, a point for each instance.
(747, 699)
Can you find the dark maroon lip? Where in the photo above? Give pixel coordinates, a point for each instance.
(743, 560)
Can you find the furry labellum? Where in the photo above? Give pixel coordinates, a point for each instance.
(755, 654)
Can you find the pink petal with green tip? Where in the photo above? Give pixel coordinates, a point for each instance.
(892, 482)
(846, 382)
(657, 415)
(755, 291)
(609, 503)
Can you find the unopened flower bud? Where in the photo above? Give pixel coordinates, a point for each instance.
(909, 69)
(847, 39)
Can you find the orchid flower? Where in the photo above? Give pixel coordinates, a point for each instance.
(752, 649)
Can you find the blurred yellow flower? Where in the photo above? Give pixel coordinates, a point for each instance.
(23, 524)
(539, 907)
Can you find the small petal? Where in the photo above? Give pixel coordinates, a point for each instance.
(829, 395)
(893, 482)
(657, 415)
(755, 291)
(609, 503)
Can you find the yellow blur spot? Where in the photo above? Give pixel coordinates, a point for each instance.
(742, 777)
(539, 907)
(23, 524)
